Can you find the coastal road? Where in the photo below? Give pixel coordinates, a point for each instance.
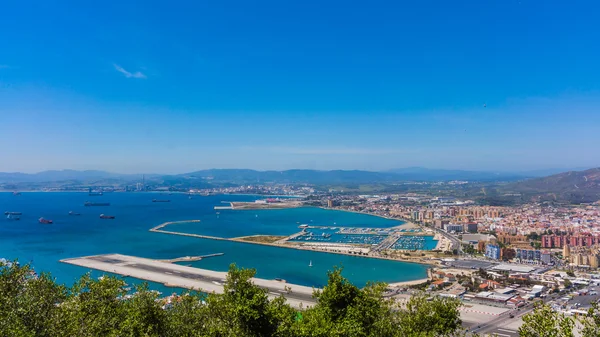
(453, 239)
(505, 325)
(174, 275)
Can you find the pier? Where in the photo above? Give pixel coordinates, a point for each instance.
(174, 275)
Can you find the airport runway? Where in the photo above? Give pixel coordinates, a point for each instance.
(174, 275)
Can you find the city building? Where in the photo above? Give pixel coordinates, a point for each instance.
(546, 257)
(439, 223)
(529, 255)
(492, 252)
(457, 228)
(566, 252)
(472, 227)
(558, 241)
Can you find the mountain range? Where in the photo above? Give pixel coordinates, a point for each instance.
(571, 186)
(501, 187)
(286, 176)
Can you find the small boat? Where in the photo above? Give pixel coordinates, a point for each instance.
(13, 217)
(73, 213)
(280, 280)
(310, 264)
(45, 221)
(161, 200)
(102, 216)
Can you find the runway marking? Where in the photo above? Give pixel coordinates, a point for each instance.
(503, 335)
(505, 330)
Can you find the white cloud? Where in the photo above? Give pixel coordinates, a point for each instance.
(329, 151)
(137, 74)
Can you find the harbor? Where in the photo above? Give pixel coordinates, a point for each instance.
(173, 275)
(378, 238)
(190, 228)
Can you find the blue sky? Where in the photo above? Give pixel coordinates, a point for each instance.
(177, 86)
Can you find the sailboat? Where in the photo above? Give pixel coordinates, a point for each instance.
(310, 264)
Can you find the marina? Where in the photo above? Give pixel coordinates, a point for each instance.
(389, 238)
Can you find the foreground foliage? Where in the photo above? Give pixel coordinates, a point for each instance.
(545, 322)
(37, 306)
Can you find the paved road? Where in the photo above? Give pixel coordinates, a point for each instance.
(496, 325)
(186, 277)
(217, 280)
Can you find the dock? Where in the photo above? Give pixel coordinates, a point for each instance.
(174, 275)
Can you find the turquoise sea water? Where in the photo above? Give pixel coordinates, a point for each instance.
(87, 234)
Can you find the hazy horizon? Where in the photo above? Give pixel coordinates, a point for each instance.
(280, 85)
(246, 168)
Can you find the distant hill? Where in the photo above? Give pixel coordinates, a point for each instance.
(425, 174)
(234, 177)
(572, 186)
(63, 175)
(292, 176)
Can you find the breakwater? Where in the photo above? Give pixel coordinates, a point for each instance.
(331, 248)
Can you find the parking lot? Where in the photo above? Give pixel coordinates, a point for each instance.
(470, 264)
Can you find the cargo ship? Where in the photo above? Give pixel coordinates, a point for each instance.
(45, 221)
(73, 213)
(13, 213)
(102, 216)
(161, 200)
(87, 203)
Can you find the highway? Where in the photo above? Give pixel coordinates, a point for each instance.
(455, 241)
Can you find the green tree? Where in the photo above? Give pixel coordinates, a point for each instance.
(425, 316)
(37, 306)
(343, 309)
(591, 323)
(545, 322)
(28, 303)
(244, 309)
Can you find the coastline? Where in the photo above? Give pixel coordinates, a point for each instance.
(405, 223)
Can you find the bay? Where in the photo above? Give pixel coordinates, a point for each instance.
(135, 213)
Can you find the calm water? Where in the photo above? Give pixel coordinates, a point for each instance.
(75, 236)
